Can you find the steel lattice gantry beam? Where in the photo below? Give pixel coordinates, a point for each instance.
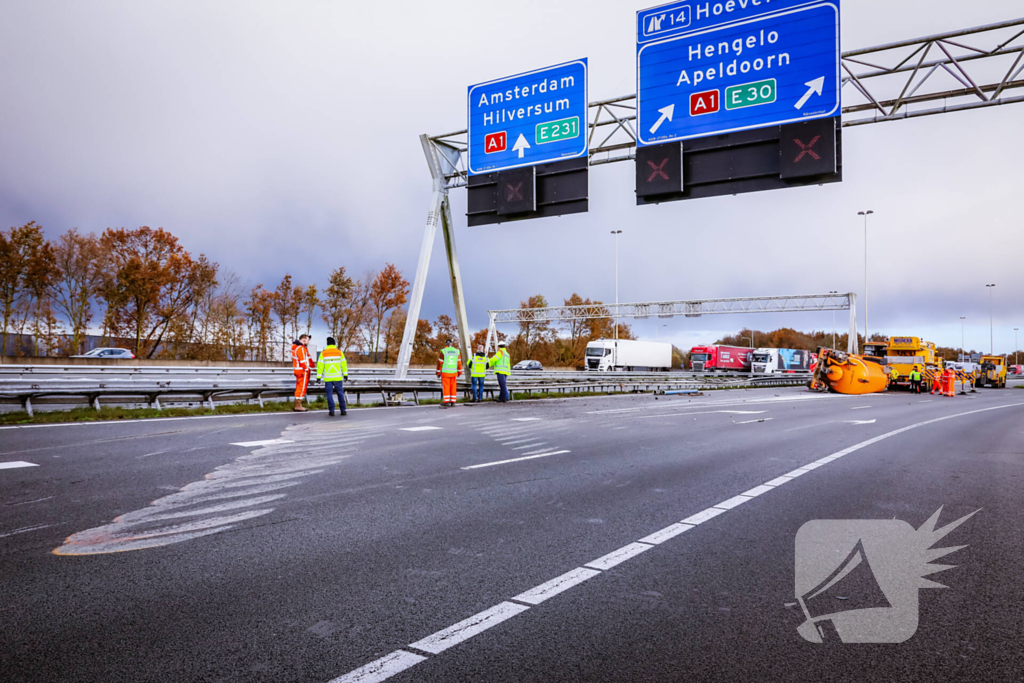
(966, 69)
(690, 309)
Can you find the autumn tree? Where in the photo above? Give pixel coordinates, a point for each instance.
(149, 282)
(287, 308)
(309, 302)
(26, 271)
(444, 329)
(532, 333)
(388, 291)
(422, 348)
(259, 311)
(344, 308)
(80, 261)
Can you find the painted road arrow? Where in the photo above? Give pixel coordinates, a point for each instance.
(666, 113)
(521, 145)
(813, 88)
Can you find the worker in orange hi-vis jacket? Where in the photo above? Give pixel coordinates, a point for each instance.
(449, 367)
(302, 366)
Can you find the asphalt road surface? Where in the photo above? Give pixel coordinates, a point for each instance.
(592, 539)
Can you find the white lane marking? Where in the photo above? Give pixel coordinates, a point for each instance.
(619, 556)
(703, 516)
(525, 419)
(666, 534)
(763, 419)
(505, 462)
(426, 428)
(860, 408)
(532, 444)
(928, 401)
(778, 481)
(723, 402)
(14, 464)
(735, 501)
(515, 441)
(26, 529)
(861, 422)
(29, 502)
(381, 669)
(255, 444)
(539, 451)
(707, 412)
(549, 589)
(758, 490)
(467, 628)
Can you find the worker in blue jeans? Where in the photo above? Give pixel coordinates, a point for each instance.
(332, 368)
(502, 364)
(478, 372)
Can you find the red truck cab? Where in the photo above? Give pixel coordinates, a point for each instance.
(720, 358)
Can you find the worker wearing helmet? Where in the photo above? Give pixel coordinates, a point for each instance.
(915, 380)
(894, 377)
(502, 364)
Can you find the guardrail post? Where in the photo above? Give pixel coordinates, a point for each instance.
(27, 404)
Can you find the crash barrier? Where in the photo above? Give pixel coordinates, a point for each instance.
(142, 387)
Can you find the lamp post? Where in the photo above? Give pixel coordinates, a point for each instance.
(1016, 347)
(865, 214)
(657, 331)
(991, 327)
(615, 319)
(832, 291)
(963, 352)
(751, 339)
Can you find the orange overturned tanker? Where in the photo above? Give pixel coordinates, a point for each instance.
(846, 373)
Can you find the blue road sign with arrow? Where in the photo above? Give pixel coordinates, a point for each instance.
(706, 68)
(529, 119)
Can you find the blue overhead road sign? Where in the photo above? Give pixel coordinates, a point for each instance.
(729, 66)
(529, 119)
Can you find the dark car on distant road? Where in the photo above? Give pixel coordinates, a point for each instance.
(528, 365)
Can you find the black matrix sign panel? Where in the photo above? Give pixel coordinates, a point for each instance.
(558, 189)
(752, 161)
(659, 169)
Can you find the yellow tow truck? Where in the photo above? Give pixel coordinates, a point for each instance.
(904, 353)
(993, 372)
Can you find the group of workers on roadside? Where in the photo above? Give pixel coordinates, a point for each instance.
(449, 367)
(944, 383)
(332, 368)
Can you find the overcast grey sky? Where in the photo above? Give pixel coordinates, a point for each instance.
(255, 131)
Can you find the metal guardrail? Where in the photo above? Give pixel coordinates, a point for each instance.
(149, 385)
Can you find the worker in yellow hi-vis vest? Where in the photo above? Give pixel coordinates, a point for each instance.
(502, 364)
(332, 368)
(478, 372)
(449, 367)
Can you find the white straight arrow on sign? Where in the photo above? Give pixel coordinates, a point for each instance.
(813, 88)
(521, 145)
(666, 113)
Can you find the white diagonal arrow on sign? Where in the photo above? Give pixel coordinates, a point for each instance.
(666, 113)
(813, 88)
(521, 145)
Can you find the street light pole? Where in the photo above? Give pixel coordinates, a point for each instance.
(1016, 347)
(615, 319)
(865, 214)
(963, 351)
(834, 323)
(991, 326)
(751, 341)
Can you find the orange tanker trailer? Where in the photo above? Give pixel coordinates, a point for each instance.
(845, 373)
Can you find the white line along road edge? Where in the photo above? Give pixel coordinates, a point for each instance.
(400, 660)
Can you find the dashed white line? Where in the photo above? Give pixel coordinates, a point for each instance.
(860, 408)
(532, 444)
(14, 464)
(666, 534)
(26, 529)
(505, 462)
(619, 556)
(427, 428)
(702, 516)
(381, 669)
(559, 584)
(763, 419)
(735, 501)
(525, 419)
(255, 444)
(467, 628)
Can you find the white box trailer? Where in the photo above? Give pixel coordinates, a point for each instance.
(777, 361)
(631, 355)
